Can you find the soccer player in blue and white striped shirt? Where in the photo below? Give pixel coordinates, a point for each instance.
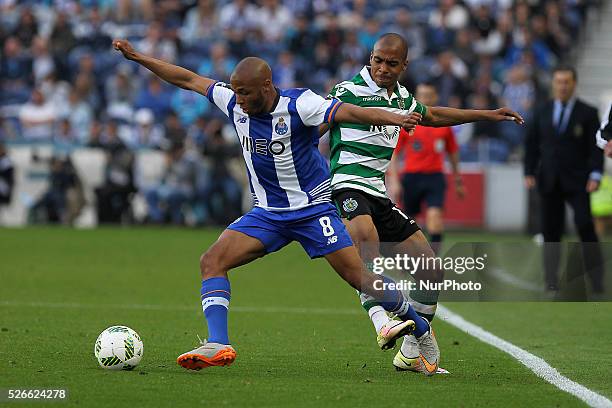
(289, 180)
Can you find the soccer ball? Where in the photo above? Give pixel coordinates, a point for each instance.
(118, 348)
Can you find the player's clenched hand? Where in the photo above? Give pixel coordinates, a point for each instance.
(410, 121)
(506, 114)
(125, 47)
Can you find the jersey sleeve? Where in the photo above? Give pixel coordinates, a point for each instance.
(220, 94)
(604, 134)
(416, 106)
(315, 110)
(451, 142)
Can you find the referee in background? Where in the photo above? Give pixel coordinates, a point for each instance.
(419, 158)
(563, 161)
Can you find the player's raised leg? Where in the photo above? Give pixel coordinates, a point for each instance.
(364, 235)
(347, 263)
(231, 250)
(420, 353)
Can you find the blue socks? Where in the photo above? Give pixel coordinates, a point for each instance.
(215, 303)
(395, 302)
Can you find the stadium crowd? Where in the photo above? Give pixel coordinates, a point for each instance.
(61, 83)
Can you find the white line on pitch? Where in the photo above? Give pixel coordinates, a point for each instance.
(536, 364)
(515, 281)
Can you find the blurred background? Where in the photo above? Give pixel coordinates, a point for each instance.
(95, 139)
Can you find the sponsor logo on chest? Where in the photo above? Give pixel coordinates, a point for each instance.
(388, 132)
(262, 145)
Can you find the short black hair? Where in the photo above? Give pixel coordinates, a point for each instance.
(566, 68)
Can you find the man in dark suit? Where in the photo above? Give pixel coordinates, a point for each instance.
(563, 161)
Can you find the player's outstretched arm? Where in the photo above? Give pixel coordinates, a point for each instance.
(173, 74)
(437, 116)
(348, 113)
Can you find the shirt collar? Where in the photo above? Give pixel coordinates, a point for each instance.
(365, 74)
(570, 103)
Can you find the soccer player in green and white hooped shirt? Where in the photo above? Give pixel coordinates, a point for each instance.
(360, 156)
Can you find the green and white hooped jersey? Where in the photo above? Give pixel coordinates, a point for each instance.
(360, 154)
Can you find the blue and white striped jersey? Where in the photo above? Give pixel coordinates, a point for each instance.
(285, 169)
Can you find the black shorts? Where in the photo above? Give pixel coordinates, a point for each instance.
(419, 187)
(390, 222)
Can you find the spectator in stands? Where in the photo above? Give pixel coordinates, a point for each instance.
(464, 49)
(7, 177)
(92, 31)
(189, 106)
(542, 54)
(176, 188)
(79, 114)
(113, 198)
(154, 97)
(201, 25)
(273, 20)
(238, 22)
(104, 134)
(196, 134)
(238, 14)
(37, 118)
(557, 41)
(450, 15)
(368, 36)
(15, 73)
(55, 91)
(332, 35)
(300, 39)
(219, 64)
(27, 27)
(449, 78)
(412, 32)
(156, 45)
(61, 41)
(63, 200)
(122, 87)
(146, 134)
(518, 95)
(64, 138)
(286, 72)
(174, 133)
(96, 131)
(42, 63)
(222, 194)
(134, 10)
(351, 49)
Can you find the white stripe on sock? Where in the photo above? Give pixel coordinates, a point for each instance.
(379, 317)
(212, 301)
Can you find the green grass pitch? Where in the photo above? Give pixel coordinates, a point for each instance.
(301, 336)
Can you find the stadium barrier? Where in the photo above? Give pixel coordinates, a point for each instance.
(496, 199)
